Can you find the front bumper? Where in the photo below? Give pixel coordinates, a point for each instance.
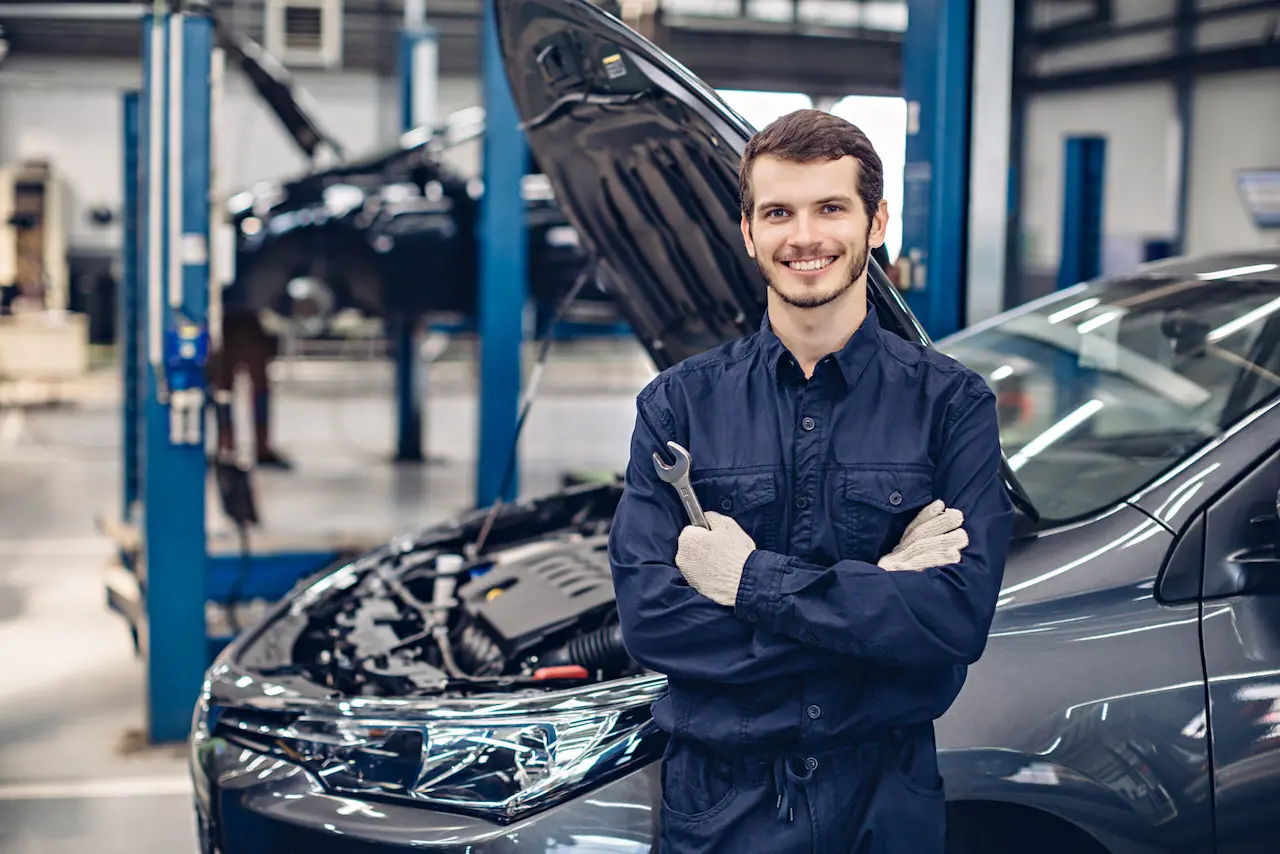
(248, 802)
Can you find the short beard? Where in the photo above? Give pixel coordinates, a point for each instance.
(818, 300)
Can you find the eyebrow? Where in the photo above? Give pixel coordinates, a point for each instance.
(843, 199)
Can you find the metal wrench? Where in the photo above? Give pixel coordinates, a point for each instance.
(677, 474)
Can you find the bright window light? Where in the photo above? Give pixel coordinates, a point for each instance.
(760, 108)
(884, 120)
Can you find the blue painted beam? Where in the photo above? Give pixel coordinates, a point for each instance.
(173, 485)
(129, 327)
(1083, 179)
(503, 275)
(936, 67)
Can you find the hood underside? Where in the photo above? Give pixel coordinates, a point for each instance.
(643, 158)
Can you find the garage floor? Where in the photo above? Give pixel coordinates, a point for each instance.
(75, 772)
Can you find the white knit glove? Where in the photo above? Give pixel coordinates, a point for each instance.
(712, 561)
(934, 538)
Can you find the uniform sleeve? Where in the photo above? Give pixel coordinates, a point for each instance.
(667, 626)
(936, 617)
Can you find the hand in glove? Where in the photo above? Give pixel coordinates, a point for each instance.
(934, 538)
(712, 561)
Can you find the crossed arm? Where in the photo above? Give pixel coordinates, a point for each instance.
(790, 616)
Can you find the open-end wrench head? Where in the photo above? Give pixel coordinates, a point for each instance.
(678, 469)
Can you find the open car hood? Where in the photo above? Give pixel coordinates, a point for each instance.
(643, 159)
(276, 88)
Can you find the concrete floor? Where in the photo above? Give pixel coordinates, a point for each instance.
(75, 772)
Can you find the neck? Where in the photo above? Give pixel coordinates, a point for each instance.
(811, 333)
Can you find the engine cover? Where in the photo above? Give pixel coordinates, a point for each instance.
(525, 601)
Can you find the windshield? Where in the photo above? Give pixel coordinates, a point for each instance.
(1107, 385)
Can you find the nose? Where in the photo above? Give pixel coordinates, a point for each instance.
(803, 232)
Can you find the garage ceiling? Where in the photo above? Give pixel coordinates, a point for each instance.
(860, 54)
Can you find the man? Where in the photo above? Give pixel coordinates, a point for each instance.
(247, 346)
(858, 536)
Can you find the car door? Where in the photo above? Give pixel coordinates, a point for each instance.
(1240, 632)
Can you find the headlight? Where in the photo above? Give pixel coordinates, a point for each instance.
(502, 767)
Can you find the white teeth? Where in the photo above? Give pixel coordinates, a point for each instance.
(808, 266)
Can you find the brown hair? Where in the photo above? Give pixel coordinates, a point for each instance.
(804, 136)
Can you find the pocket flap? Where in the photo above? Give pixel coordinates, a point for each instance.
(888, 489)
(735, 493)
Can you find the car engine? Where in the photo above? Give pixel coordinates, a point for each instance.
(431, 622)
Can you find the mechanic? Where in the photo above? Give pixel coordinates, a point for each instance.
(247, 346)
(858, 534)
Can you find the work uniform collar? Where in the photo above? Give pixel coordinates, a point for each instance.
(850, 359)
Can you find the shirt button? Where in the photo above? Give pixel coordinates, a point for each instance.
(896, 498)
(807, 423)
(811, 764)
(802, 502)
(726, 504)
(751, 616)
(815, 712)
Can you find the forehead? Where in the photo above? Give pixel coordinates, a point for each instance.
(774, 180)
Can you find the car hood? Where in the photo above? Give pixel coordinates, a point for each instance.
(651, 180)
(276, 88)
(643, 159)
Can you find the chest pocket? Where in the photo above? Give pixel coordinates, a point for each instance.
(751, 498)
(877, 506)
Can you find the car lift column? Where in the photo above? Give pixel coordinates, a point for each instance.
(173, 296)
(503, 264)
(936, 79)
(1082, 193)
(418, 96)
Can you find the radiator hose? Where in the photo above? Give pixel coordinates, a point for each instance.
(596, 650)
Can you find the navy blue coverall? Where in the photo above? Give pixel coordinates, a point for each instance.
(802, 718)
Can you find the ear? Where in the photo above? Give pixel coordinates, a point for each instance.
(879, 225)
(746, 237)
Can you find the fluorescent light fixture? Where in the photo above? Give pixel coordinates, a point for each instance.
(1073, 310)
(1236, 271)
(1101, 320)
(1001, 373)
(1054, 433)
(1243, 321)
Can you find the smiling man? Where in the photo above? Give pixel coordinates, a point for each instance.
(858, 533)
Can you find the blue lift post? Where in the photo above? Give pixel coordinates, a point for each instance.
(1081, 260)
(418, 84)
(503, 274)
(168, 574)
(936, 76)
(1082, 195)
(174, 285)
(128, 331)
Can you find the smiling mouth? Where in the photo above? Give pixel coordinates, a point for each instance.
(810, 265)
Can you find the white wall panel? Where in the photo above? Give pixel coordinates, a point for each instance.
(1236, 126)
(1140, 127)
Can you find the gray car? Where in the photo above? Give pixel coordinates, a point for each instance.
(465, 688)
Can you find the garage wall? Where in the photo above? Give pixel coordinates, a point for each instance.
(69, 113)
(1140, 191)
(1236, 124)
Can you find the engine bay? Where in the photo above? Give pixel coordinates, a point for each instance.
(427, 620)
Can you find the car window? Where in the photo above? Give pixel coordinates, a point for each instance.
(1108, 385)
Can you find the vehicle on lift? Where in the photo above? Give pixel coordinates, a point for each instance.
(465, 687)
(393, 234)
